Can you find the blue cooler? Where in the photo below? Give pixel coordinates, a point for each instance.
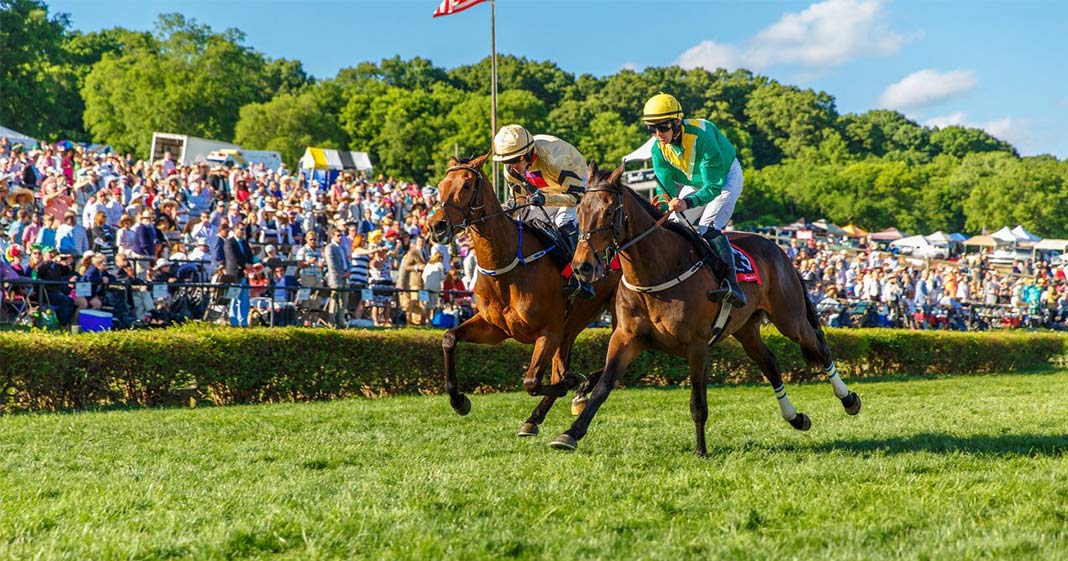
(94, 320)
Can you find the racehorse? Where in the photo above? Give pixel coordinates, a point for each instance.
(664, 302)
(519, 293)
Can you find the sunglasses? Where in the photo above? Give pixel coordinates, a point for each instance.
(661, 127)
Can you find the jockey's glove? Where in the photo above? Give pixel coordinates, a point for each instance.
(537, 198)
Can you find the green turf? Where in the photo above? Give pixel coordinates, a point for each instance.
(953, 468)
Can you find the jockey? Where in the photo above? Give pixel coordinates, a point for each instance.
(696, 168)
(551, 173)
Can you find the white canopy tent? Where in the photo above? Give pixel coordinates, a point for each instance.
(644, 152)
(939, 238)
(911, 241)
(1004, 235)
(1023, 235)
(15, 136)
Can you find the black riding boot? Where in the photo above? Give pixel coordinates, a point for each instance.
(728, 290)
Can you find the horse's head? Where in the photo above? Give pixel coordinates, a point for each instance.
(462, 198)
(602, 223)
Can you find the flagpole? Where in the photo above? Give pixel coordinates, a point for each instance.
(493, 84)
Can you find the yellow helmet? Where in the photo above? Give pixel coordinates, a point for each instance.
(661, 107)
(511, 142)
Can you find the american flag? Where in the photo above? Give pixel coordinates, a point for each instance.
(449, 7)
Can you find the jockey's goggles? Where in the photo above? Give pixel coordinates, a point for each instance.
(662, 127)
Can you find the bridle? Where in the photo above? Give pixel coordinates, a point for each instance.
(618, 223)
(480, 179)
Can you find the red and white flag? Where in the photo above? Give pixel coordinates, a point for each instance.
(449, 7)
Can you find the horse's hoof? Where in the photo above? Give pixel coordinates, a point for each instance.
(528, 429)
(851, 403)
(564, 442)
(801, 422)
(578, 404)
(464, 407)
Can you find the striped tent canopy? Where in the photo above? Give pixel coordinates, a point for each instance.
(327, 159)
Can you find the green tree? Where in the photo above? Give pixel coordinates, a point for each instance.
(789, 119)
(33, 69)
(186, 80)
(289, 123)
(960, 141)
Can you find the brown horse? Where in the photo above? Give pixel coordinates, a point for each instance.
(664, 302)
(519, 293)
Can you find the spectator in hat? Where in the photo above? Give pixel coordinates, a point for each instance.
(146, 238)
(411, 279)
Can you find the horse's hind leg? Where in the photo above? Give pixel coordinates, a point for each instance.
(749, 337)
(562, 378)
(818, 356)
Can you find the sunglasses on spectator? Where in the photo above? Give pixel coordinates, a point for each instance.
(661, 127)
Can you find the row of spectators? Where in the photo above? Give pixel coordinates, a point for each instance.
(1036, 289)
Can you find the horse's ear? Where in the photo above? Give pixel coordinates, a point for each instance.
(616, 174)
(591, 171)
(453, 161)
(479, 161)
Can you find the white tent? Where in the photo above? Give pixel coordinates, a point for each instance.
(1052, 245)
(16, 136)
(911, 241)
(644, 152)
(1023, 235)
(1004, 235)
(939, 238)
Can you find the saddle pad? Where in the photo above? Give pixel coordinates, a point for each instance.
(743, 264)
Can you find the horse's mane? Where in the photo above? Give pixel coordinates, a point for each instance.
(600, 178)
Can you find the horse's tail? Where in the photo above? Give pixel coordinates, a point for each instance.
(810, 308)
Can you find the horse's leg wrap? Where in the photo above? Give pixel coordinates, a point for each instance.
(785, 407)
(840, 388)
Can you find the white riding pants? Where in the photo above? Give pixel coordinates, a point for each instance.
(718, 211)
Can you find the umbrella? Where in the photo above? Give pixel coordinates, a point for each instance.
(854, 231)
(20, 196)
(64, 144)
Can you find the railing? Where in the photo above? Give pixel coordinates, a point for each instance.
(302, 305)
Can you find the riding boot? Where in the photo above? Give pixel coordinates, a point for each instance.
(568, 240)
(728, 291)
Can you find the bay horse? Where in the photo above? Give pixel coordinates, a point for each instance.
(519, 291)
(664, 302)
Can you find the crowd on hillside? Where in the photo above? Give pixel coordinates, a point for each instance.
(68, 214)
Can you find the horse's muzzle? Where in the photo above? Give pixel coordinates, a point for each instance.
(586, 271)
(440, 231)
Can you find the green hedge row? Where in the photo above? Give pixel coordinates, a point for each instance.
(223, 365)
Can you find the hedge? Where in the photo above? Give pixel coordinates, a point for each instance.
(224, 366)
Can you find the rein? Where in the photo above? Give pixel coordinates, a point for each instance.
(618, 219)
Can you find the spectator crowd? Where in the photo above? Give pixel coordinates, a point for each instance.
(72, 215)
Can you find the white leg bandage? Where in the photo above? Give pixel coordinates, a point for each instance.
(840, 389)
(787, 408)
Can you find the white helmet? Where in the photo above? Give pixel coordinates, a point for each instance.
(511, 142)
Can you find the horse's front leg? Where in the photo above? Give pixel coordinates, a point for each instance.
(474, 330)
(622, 350)
(544, 348)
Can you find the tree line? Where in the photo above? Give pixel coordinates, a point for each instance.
(802, 157)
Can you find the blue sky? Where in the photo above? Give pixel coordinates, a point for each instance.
(997, 65)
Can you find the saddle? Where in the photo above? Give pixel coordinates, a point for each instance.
(565, 245)
(745, 268)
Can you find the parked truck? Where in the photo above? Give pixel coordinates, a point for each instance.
(185, 149)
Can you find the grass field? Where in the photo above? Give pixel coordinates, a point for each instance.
(952, 468)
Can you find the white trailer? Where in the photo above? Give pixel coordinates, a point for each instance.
(185, 149)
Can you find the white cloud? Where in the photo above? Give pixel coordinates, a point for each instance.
(828, 33)
(629, 66)
(927, 87)
(1015, 131)
(943, 121)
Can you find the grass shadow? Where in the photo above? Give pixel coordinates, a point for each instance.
(1002, 445)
